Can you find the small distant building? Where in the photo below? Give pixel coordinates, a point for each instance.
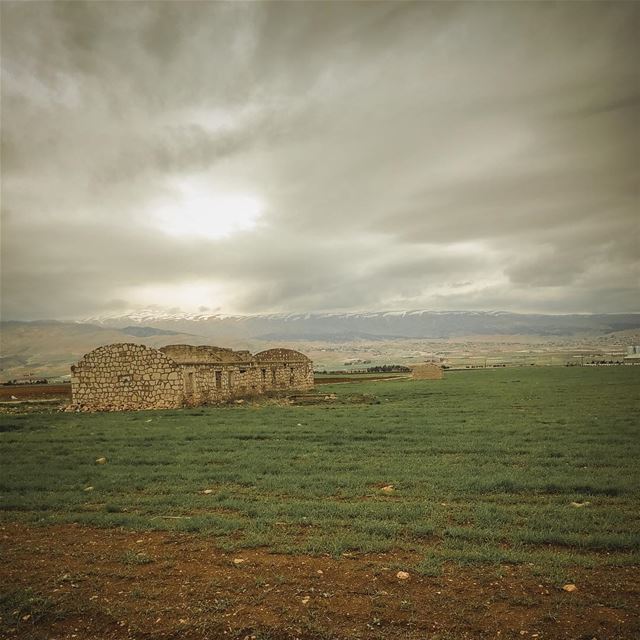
(633, 354)
(426, 371)
(129, 377)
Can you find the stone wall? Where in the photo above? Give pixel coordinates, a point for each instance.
(129, 377)
(122, 377)
(288, 369)
(211, 383)
(204, 354)
(427, 371)
(240, 377)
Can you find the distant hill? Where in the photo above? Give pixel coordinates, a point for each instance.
(145, 332)
(48, 348)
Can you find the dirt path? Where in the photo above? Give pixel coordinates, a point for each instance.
(77, 582)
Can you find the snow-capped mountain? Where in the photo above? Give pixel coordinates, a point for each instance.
(370, 325)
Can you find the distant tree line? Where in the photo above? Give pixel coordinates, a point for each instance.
(16, 382)
(386, 368)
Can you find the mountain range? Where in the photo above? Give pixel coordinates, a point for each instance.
(374, 325)
(48, 348)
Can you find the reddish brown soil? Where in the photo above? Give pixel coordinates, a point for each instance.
(97, 587)
(35, 391)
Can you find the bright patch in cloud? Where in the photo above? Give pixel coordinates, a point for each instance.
(200, 210)
(187, 296)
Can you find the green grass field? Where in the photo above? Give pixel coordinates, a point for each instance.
(484, 465)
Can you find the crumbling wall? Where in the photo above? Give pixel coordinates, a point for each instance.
(203, 354)
(286, 369)
(215, 383)
(215, 374)
(238, 374)
(122, 377)
(211, 383)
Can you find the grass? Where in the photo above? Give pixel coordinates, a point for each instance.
(484, 465)
(24, 606)
(131, 557)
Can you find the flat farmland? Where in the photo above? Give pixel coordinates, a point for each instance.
(35, 391)
(491, 489)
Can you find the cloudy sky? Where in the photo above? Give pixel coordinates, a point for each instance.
(265, 157)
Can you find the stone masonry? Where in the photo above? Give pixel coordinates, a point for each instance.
(427, 371)
(125, 377)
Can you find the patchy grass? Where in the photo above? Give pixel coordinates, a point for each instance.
(133, 557)
(484, 467)
(23, 606)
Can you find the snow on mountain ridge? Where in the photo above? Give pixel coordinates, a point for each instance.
(153, 315)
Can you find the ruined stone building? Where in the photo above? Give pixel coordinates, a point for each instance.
(124, 377)
(426, 371)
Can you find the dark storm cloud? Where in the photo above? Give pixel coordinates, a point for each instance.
(435, 155)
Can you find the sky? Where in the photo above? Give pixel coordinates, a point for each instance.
(245, 158)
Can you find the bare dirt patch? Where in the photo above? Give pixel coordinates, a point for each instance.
(35, 391)
(34, 398)
(68, 581)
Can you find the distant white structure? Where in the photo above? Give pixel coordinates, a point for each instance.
(633, 354)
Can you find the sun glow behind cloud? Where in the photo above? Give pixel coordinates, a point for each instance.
(196, 209)
(334, 180)
(187, 296)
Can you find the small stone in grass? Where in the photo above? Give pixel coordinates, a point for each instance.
(101, 461)
(207, 491)
(88, 488)
(569, 587)
(402, 575)
(238, 561)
